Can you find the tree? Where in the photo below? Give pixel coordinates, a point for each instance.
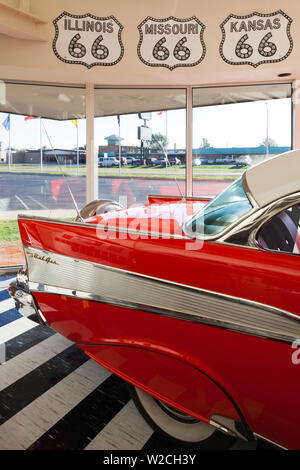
(271, 142)
(205, 144)
(83, 147)
(159, 141)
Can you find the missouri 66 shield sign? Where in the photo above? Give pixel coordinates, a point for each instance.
(256, 39)
(171, 42)
(87, 39)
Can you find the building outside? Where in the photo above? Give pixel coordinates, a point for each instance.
(49, 156)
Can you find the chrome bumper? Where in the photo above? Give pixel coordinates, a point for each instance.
(24, 301)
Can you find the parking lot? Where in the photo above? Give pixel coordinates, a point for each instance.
(27, 191)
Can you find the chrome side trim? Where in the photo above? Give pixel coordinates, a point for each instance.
(258, 436)
(59, 274)
(185, 198)
(6, 270)
(230, 426)
(248, 192)
(36, 287)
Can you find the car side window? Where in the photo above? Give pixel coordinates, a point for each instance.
(282, 232)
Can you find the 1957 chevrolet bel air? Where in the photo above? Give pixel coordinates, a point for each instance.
(193, 301)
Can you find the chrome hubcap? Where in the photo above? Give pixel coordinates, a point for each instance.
(176, 414)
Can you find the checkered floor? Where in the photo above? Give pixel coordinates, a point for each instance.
(52, 396)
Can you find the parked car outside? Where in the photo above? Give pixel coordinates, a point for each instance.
(123, 160)
(161, 161)
(137, 161)
(174, 161)
(150, 161)
(108, 162)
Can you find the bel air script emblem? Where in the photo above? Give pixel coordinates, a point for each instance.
(87, 39)
(256, 39)
(171, 42)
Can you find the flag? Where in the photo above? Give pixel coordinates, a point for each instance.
(160, 113)
(6, 123)
(75, 122)
(27, 118)
(118, 117)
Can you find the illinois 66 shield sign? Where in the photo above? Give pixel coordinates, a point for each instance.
(171, 42)
(87, 39)
(256, 39)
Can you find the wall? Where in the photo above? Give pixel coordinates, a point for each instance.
(35, 60)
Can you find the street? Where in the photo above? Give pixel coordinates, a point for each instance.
(23, 192)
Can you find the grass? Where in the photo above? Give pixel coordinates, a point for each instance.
(142, 171)
(9, 231)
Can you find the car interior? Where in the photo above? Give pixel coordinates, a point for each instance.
(281, 233)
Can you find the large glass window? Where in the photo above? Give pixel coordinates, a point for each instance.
(140, 140)
(140, 135)
(235, 127)
(42, 134)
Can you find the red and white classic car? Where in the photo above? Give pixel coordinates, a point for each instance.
(193, 301)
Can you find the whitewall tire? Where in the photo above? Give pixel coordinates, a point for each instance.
(181, 430)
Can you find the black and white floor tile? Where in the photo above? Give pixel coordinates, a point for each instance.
(52, 396)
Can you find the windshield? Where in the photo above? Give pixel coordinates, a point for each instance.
(227, 208)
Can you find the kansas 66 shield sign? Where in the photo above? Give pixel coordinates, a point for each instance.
(256, 39)
(171, 42)
(87, 39)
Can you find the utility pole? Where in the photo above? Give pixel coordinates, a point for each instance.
(267, 131)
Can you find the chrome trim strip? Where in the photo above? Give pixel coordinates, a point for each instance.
(82, 279)
(248, 192)
(230, 426)
(5, 270)
(182, 198)
(45, 289)
(269, 441)
(105, 228)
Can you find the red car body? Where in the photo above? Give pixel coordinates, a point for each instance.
(150, 323)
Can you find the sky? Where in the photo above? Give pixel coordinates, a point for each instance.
(232, 125)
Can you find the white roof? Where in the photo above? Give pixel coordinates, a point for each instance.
(274, 178)
(64, 102)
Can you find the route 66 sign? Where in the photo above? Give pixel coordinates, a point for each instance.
(87, 39)
(171, 42)
(256, 39)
